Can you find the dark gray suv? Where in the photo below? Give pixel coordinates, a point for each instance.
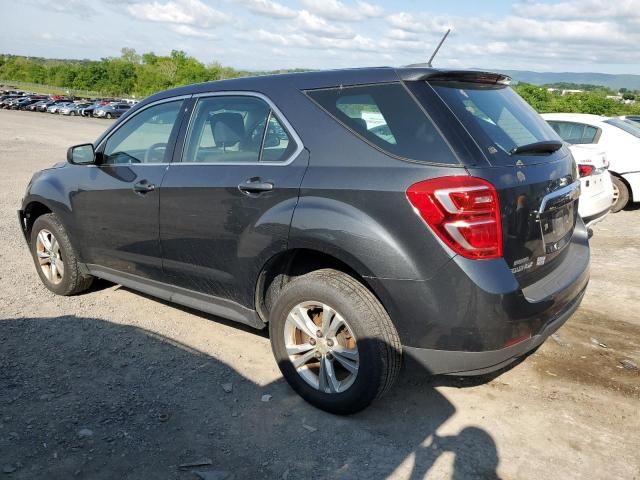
(362, 215)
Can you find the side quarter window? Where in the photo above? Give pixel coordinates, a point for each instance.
(236, 129)
(144, 137)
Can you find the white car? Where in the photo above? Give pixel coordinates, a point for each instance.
(620, 139)
(596, 196)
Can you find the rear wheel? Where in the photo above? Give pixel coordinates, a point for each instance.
(620, 194)
(56, 260)
(333, 341)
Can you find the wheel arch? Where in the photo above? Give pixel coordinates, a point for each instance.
(284, 266)
(32, 211)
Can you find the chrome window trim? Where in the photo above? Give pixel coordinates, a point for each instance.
(117, 127)
(244, 93)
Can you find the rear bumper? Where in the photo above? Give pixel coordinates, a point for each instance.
(591, 220)
(480, 363)
(473, 316)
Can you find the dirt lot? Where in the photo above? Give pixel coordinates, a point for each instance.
(114, 384)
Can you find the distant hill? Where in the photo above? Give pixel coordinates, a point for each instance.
(631, 82)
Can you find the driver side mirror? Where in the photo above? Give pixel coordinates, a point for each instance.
(81, 154)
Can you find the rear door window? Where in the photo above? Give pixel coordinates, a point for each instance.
(388, 117)
(231, 130)
(497, 118)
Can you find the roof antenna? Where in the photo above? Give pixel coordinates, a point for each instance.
(435, 52)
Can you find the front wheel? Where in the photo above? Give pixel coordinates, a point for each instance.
(56, 260)
(620, 194)
(333, 341)
(109, 116)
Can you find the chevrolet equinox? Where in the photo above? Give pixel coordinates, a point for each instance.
(362, 215)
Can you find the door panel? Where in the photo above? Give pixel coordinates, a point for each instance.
(223, 212)
(117, 200)
(119, 227)
(215, 239)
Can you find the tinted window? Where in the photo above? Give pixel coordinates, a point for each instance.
(232, 130)
(495, 115)
(574, 133)
(388, 117)
(626, 126)
(143, 139)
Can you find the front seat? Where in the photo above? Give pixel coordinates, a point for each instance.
(227, 129)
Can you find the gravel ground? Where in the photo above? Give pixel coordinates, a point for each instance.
(114, 384)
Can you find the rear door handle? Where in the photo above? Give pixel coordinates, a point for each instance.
(255, 186)
(143, 186)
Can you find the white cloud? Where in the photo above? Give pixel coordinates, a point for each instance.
(186, 12)
(419, 23)
(336, 10)
(79, 8)
(308, 22)
(188, 31)
(304, 40)
(575, 9)
(269, 8)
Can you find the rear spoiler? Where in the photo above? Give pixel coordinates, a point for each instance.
(418, 73)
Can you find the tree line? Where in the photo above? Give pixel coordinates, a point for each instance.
(129, 74)
(594, 101)
(143, 74)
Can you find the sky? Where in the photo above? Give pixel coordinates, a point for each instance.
(562, 36)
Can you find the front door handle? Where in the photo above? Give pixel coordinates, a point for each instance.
(143, 186)
(255, 185)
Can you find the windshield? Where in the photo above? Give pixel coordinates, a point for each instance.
(496, 117)
(625, 125)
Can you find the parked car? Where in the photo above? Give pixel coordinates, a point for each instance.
(24, 103)
(618, 138)
(73, 109)
(88, 111)
(596, 195)
(55, 107)
(44, 106)
(454, 239)
(34, 106)
(113, 110)
(7, 102)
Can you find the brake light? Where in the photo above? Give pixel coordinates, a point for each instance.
(585, 170)
(463, 211)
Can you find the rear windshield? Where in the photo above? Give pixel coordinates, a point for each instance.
(387, 116)
(497, 117)
(624, 125)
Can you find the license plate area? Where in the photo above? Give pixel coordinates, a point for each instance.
(557, 226)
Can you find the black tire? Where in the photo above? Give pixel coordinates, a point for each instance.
(623, 194)
(73, 281)
(377, 342)
(109, 116)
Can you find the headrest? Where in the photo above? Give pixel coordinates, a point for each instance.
(227, 128)
(360, 123)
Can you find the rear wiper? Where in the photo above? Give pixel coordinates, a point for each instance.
(547, 146)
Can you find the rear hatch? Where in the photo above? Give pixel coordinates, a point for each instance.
(515, 150)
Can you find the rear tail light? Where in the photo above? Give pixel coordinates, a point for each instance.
(463, 211)
(585, 170)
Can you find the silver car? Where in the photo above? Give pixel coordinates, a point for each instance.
(73, 109)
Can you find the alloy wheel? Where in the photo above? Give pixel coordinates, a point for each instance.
(321, 346)
(50, 256)
(616, 193)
